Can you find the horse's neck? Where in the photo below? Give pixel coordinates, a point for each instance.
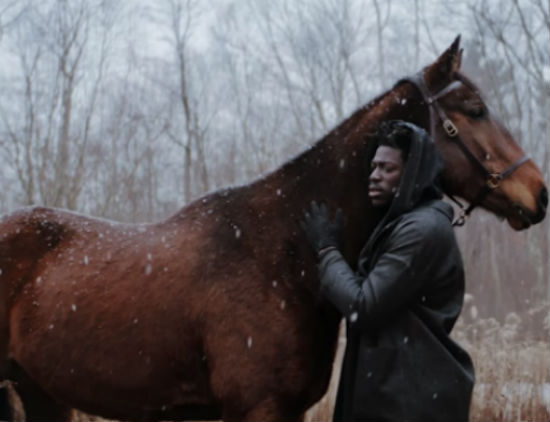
(333, 170)
(341, 151)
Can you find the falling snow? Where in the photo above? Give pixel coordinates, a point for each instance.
(283, 304)
(73, 307)
(353, 317)
(249, 342)
(86, 260)
(148, 269)
(274, 283)
(38, 280)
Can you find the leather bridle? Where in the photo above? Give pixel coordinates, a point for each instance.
(492, 180)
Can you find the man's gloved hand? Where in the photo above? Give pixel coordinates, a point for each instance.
(320, 231)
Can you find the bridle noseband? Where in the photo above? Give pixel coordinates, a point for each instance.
(492, 180)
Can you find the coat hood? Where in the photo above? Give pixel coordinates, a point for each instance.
(419, 180)
(420, 176)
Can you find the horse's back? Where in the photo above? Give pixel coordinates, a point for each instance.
(109, 303)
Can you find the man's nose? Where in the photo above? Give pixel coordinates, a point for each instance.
(374, 175)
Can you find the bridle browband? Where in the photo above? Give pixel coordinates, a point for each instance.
(492, 179)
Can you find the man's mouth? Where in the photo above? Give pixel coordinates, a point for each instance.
(374, 191)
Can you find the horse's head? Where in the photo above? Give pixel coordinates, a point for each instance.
(483, 163)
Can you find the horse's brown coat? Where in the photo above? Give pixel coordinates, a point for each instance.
(214, 312)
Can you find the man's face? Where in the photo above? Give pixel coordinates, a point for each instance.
(386, 168)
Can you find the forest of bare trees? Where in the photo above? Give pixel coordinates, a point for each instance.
(129, 110)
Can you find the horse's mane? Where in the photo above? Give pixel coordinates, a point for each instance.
(338, 134)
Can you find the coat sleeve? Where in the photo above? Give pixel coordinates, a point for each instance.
(396, 278)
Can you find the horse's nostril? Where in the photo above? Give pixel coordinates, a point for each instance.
(543, 197)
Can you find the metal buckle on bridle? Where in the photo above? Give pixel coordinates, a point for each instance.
(450, 128)
(493, 180)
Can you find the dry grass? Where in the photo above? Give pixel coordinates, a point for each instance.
(322, 410)
(512, 370)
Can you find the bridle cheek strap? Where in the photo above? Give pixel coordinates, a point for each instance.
(492, 179)
(492, 182)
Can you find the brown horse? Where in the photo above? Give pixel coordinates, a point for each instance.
(215, 312)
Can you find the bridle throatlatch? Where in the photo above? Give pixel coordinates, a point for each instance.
(492, 180)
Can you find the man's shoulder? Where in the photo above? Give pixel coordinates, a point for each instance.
(435, 215)
(430, 210)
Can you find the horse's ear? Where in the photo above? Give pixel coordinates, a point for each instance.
(441, 72)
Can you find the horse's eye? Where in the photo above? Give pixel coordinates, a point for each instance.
(476, 111)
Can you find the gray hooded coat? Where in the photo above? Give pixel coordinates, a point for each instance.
(400, 306)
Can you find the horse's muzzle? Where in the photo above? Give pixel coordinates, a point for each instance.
(542, 205)
(522, 218)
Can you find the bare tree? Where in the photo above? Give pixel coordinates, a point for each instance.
(381, 23)
(49, 140)
(10, 12)
(182, 18)
(309, 55)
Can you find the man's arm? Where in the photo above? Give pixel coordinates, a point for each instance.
(395, 279)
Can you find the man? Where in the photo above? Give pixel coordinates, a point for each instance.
(400, 363)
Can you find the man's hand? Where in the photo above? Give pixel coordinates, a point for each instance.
(320, 231)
